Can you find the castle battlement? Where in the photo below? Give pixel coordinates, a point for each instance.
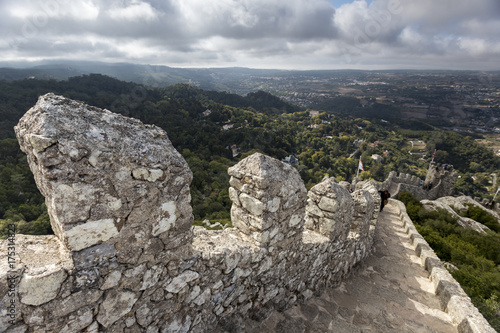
(439, 182)
(125, 256)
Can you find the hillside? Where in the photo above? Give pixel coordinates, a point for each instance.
(214, 130)
(221, 79)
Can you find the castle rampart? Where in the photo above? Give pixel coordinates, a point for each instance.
(452, 297)
(125, 257)
(439, 182)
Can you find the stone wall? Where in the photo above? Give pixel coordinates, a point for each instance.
(439, 182)
(125, 257)
(452, 297)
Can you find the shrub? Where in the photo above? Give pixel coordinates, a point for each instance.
(480, 215)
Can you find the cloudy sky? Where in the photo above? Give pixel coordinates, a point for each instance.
(288, 34)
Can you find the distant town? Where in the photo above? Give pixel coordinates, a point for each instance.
(462, 101)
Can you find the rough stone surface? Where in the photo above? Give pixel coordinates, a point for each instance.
(126, 257)
(329, 210)
(390, 292)
(115, 305)
(41, 288)
(85, 163)
(442, 183)
(271, 197)
(460, 203)
(95, 232)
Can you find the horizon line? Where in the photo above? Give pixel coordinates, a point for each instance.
(34, 63)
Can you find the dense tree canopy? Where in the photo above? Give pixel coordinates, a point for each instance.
(329, 143)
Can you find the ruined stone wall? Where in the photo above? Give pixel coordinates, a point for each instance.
(442, 183)
(125, 257)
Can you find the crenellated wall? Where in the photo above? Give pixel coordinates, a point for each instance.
(125, 257)
(452, 297)
(439, 182)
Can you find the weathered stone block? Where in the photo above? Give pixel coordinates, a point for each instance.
(167, 219)
(329, 209)
(181, 281)
(94, 256)
(39, 289)
(86, 159)
(115, 305)
(273, 195)
(90, 233)
(328, 204)
(74, 302)
(112, 280)
(78, 321)
(254, 206)
(151, 277)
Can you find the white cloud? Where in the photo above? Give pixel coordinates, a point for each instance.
(478, 46)
(267, 33)
(257, 18)
(411, 38)
(39, 10)
(86, 10)
(136, 11)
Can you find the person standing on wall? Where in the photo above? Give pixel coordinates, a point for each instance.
(384, 198)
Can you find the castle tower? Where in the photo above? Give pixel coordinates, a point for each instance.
(443, 178)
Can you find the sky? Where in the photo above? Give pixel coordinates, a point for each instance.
(278, 34)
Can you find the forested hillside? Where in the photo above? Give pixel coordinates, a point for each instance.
(214, 130)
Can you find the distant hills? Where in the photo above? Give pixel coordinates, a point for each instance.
(237, 80)
(462, 100)
(221, 79)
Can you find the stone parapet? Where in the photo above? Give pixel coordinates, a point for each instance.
(439, 182)
(330, 208)
(453, 298)
(125, 257)
(266, 206)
